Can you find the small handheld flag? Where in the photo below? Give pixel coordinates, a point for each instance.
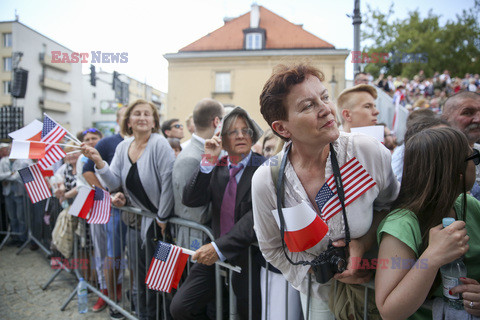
(35, 184)
(356, 181)
(101, 207)
(166, 267)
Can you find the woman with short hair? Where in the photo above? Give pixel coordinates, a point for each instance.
(297, 106)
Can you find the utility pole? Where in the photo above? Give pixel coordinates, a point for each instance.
(357, 21)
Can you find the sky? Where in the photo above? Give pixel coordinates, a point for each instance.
(146, 30)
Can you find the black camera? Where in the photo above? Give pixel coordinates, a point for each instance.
(331, 261)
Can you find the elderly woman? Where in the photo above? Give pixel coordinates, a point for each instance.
(226, 185)
(142, 166)
(296, 105)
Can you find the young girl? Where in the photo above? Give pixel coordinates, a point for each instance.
(438, 169)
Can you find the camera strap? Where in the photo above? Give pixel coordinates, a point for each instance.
(281, 194)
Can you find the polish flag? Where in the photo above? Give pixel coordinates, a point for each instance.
(27, 150)
(83, 202)
(31, 132)
(303, 227)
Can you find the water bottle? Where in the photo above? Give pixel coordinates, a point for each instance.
(82, 296)
(451, 273)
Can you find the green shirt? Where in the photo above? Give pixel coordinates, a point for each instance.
(403, 225)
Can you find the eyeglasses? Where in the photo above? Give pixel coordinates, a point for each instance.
(92, 130)
(245, 132)
(178, 126)
(475, 157)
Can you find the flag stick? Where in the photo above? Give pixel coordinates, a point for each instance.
(223, 264)
(74, 151)
(71, 139)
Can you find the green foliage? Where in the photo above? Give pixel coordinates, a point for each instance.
(454, 46)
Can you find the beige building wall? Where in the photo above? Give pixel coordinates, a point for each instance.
(191, 79)
(5, 52)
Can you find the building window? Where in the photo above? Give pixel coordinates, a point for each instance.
(7, 39)
(222, 82)
(6, 87)
(7, 64)
(254, 41)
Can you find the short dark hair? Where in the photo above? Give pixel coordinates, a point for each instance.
(277, 87)
(167, 125)
(205, 111)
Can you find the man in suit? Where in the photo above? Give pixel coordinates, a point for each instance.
(226, 184)
(207, 115)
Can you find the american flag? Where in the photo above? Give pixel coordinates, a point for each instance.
(356, 181)
(166, 267)
(52, 131)
(53, 153)
(36, 185)
(101, 207)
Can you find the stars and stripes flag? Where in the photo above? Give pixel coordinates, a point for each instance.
(52, 131)
(35, 184)
(356, 181)
(166, 267)
(53, 153)
(101, 207)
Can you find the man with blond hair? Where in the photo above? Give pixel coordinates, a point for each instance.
(357, 108)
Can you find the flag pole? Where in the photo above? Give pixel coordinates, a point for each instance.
(71, 139)
(223, 264)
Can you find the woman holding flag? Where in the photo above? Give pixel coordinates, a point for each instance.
(297, 106)
(142, 166)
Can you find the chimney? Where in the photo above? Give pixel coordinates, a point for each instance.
(255, 16)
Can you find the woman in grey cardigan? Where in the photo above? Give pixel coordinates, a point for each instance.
(142, 167)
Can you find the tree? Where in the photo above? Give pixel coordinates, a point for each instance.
(454, 46)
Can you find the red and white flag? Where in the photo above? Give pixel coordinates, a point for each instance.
(53, 153)
(83, 202)
(166, 267)
(31, 132)
(52, 131)
(101, 207)
(27, 150)
(303, 227)
(356, 181)
(35, 184)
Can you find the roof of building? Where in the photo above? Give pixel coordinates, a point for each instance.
(280, 34)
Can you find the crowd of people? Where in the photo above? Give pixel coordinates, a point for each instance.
(240, 181)
(423, 91)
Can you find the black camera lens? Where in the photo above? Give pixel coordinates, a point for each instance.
(338, 264)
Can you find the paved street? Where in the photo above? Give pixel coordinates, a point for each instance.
(21, 296)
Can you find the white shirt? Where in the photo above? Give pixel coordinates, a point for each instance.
(373, 156)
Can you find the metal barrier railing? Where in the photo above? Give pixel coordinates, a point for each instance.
(132, 312)
(160, 308)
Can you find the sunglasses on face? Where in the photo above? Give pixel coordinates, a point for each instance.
(475, 157)
(92, 130)
(178, 126)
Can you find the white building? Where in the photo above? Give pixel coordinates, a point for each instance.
(53, 88)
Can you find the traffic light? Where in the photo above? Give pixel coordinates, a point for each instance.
(115, 80)
(19, 87)
(93, 78)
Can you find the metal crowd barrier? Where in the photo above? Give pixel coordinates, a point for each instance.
(130, 308)
(131, 280)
